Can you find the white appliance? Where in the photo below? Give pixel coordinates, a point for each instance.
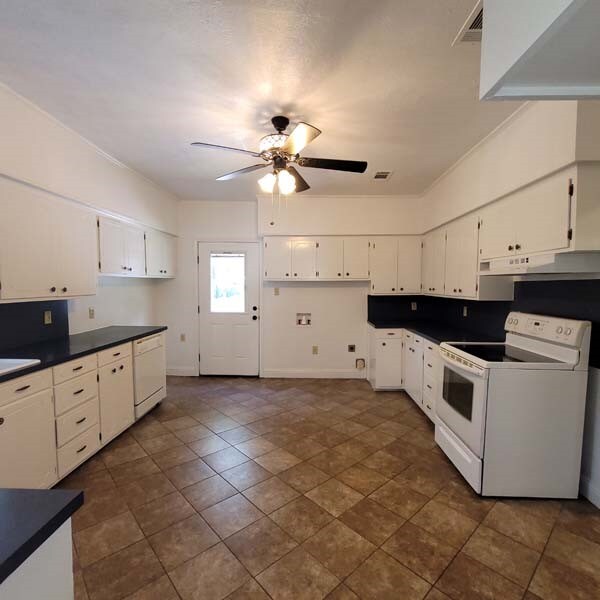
(510, 415)
(149, 372)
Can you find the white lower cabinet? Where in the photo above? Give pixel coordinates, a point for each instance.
(432, 378)
(116, 397)
(27, 438)
(385, 358)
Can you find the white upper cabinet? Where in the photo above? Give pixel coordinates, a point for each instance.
(47, 246)
(122, 248)
(304, 259)
(532, 220)
(277, 258)
(544, 49)
(356, 258)
(383, 265)
(461, 257)
(160, 254)
(434, 261)
(330, 258)
(409, 264)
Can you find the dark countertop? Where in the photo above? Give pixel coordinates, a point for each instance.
(60, 350)
(27, 519)
(434, 331)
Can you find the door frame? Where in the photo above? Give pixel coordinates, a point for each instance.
(258, 243)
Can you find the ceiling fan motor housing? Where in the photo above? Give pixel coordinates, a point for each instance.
(280, 123)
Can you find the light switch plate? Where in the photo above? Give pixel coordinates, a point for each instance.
(315, 349)
(47, 317)
(91, 313)
(275, 291)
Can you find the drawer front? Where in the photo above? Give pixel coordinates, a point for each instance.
(76, 421)
(115, 353)
(27, 385)
(148, 343)
(418, 340)
(77, 450)
(74, 368)
(75, 391)
(382, 334)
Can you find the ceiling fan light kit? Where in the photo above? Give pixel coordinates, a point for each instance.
(279, 150)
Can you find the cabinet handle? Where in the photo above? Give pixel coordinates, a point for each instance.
(429, 365)
(64, 289)
(114, 370)
(78, 392)
(510, 247)
(383, 343)
(80, 421)
(117, 354)
(391, 333)
(53, 288)
(82, 449)
(517, 246)
(429, 387)
(78, 368)
(22, 389)
(428, 407)
(121, 368)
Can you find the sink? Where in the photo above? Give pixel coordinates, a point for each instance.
(8, 365)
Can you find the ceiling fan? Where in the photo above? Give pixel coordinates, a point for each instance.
(281, 151)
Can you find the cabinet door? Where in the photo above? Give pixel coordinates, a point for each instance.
(277, 258)
(461, 257)
(28, 242)
(170, 249)
(304, 259)
(409, 265)
(356, 258)
(116, 398)
(383, 265)
(389, 363)
(330, 258)
(434, 261)
(136, 251)
(544, 216)
(27, 435)
(78, 247)
(497, 233)
(155, 254)
(113, 249)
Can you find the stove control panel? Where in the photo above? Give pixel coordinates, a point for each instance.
(553, 329)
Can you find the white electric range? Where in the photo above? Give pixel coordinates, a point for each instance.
(510, 415)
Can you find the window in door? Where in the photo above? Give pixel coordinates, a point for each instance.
(227, 282)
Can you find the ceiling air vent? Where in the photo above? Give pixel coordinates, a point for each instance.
(472, 29)
(382, 175)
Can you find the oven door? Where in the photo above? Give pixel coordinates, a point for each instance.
(462, 403)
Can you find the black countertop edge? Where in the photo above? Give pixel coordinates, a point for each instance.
(434, 331)
(60, 350)
(27, 519)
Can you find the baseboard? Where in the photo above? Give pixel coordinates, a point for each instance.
(590, 490)
(313, 373)
(183, 371)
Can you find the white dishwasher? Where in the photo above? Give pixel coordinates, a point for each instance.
(149, 372)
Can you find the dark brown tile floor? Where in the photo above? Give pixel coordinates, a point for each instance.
(301, 489)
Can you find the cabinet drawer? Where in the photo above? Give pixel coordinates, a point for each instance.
(77, 450)
(381, 334)
(25, 386)
(429, 387)
(74, 392)
(115, 353)
(71, 424)
(74, 368)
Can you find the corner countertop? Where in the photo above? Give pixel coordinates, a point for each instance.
(27, 519)
(60, 350)
(434, 331)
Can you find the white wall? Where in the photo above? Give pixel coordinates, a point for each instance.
(37, 149)
(119, 301)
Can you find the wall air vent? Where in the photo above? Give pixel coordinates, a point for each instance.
(382, 175)
(472, 29)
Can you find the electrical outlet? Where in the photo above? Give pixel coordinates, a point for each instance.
(413, 306)
(315, 349)
(351, 348)
(360, 363)
(275, 291)
(47, 317)
(91, 313)
(182, 337)
(465, 311)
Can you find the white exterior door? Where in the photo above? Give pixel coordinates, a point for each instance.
(229, 310)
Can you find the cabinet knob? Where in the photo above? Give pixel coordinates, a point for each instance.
(510, 247)
(130, 269)
(1, 420)
(255, 308)
(517, 246)
(295, 274)
(254, 317)
(460, 290)
(383, 343)
(393, 289)
(339, 274)
(347, 274)
(401, 289)
(455, 290)
(53, 289)
(121, 368)
(124, 268)
(114, 370)
(287, 274)
(64, 289)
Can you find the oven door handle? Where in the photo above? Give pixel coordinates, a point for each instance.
(476, 371)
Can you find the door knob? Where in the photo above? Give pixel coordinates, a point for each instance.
(254, 317)
(255, 308)
(64, 289)
(53, 288)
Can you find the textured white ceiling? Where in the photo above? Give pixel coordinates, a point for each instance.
(144, 78)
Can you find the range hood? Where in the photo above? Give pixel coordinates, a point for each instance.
(560, 262)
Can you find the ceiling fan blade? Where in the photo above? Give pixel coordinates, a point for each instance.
(353, 166)
(216, 147)
(302, 135)
(301, 185)
(239, 172)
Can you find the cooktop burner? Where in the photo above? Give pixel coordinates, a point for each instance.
(503, 353)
